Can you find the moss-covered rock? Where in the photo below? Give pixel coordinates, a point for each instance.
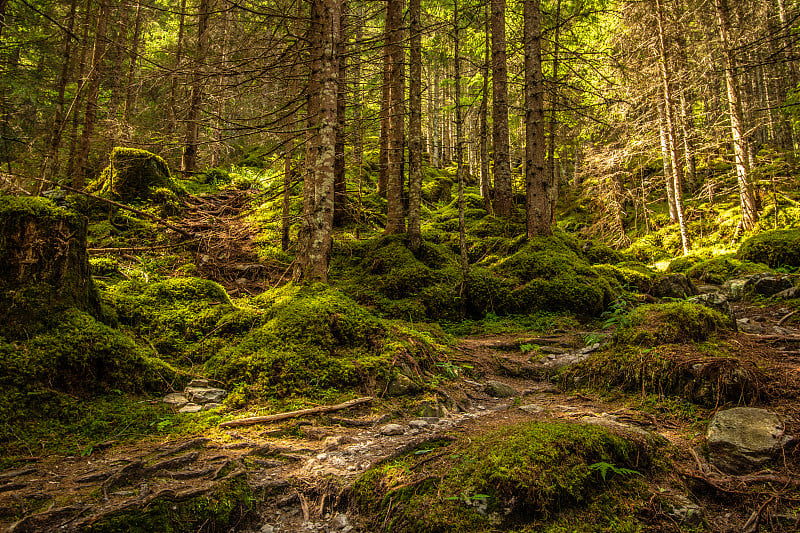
(720, 269)
(510, 478)
(44, 267)
(778, 248)
(136, 175)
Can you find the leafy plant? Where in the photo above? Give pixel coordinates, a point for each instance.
(604, 468)
(525, 348)
(617, 314)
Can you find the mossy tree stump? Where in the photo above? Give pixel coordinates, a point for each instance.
(43, 262)
(136, 175)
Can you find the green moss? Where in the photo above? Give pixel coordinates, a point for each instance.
(676, 322)
(597, 253)
(136, 175)
(629, 276)
(506, 478)
(777, 248)
(720, 269)
(226, 506)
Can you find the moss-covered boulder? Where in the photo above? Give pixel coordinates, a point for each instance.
(519, 477)
(720, 269)
(779, 248)
(136, 175)
(44, 267)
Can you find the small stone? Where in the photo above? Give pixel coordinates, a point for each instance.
(190, 408)
(199, 383)
(498, 389)
(744, 438)
(210, 406)
(532, 408)
(718, 302)
(788, 294)
(205, 394)
(552, 350)
(684, 511)
(392, 429)
(418, 424)
(267, 528)
(340, 521)
(402, 385)
(176, 398)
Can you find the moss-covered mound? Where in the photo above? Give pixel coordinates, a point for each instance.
(44, 267)
(669, 323)
(549, 274)
(136, 175)
(515, 478)
(314, 339)
(779, 248)
(716, 270)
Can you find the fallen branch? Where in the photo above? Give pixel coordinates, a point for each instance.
(293, 414)
(787, 317)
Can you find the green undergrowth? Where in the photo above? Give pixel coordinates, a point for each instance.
(778, 248)
(716, 270)
(669, 323)
(514, 478)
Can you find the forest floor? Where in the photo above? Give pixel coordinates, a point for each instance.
(303, 468)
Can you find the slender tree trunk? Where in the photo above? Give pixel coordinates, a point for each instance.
(172, 125)
(120, 21)
(340, 182)
(500, 134)
(669, 179)
(315, 254)
(395, 220)
(51, 159)
(436, 157)
(746, 196)
(687, 127)
(386, 103)
(92, 93)
(218, 149)
(415, 128)
(130, 91)
(76, 104)
(483, 134)
(672, 143)
(191, 143)
(538, 183)
(358, 128)
(462, 232)
(553, 119)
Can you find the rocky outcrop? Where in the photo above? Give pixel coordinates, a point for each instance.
(673, 286)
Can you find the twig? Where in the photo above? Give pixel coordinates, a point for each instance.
(293, 414)
(787, 317)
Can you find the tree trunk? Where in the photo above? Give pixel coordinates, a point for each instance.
(669, 180)
(395, 219)
(500, 134)
(672, 143)
(315, 253)
(340, 182)
(51, 159)
(191, 142)
(386, 103)
(73, 138)
(130, 92)
(483, 134)
(172, 124)
(415, 129)
(436, 156)
(92, 93)
(462, 233)
(746, 196)
(553, 119)
(538, 183)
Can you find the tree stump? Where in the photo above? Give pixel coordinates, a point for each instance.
(136, 175)
(44, 266)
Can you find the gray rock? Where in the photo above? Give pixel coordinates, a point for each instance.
(767, 284)
(788, 294)
(734, 288)
(210, 406)
(745, 325)
(418, 424)
(199, 383)
(402, 385)
(673, 286)
(205, 394)
(684, 511)
(498, 389)
(718, 302)
(552, 350)
(743, 438)
(340, 521)
(532, 408)
(176, 398)
(432, 410)
(190, 408)
(392, 429)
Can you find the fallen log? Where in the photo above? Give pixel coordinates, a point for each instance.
(293, 414)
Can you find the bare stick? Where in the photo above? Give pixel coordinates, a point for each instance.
(787, 317)
(293, 414)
